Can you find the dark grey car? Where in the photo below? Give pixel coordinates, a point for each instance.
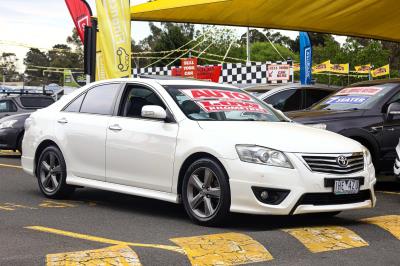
(25, 103)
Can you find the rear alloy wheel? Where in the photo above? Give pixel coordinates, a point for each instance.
(51, 174)
(206, 193)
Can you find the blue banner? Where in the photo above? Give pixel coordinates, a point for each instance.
(305, 59)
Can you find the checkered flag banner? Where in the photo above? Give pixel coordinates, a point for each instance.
(248, 73)
(159, 71)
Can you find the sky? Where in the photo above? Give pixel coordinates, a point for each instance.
(44, 23)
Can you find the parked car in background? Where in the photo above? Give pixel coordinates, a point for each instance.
(11, 104)
(292, 97)
(213, 147)
(368, 112)
(12, 131)
(396, 167)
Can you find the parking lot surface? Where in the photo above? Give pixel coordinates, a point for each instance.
(102, 228)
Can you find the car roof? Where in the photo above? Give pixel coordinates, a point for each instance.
(168, 81)
(376, 82)
(270, 87)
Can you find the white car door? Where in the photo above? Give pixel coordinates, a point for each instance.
(82, 127)
(140, 152)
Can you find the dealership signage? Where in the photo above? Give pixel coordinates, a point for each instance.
(278, 72)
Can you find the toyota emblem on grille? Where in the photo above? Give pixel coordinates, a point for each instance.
(342, 161)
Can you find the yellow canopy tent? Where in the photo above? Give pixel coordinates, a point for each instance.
(379, 19)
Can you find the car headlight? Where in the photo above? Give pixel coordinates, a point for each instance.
(261, 155)
(368, 157)
(319, 126)
(7, 124)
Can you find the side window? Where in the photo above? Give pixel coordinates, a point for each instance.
(135, 97)
(313, 96)
(288, 100)
(75, 105)
(7, 106)
(100, 99)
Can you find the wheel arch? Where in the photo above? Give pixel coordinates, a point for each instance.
(366, 139)
(191, 159)
(43, 145)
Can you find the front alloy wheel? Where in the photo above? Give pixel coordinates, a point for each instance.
(206, 193)
(51, 174)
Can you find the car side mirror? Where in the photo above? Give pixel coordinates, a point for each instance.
(393, 109)
(154, 112)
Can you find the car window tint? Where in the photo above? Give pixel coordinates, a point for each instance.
(135, 98)
(100, 100)
(287, 100)
(7, 106)
(314, 96)
(36, 102)
(75, 105)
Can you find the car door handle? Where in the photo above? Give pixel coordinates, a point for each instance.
(115, 128)
(390, 129)
(62, 121)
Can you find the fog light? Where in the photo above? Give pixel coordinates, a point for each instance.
(264, 195)
(270, 196)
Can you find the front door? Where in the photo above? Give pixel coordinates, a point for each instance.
(140, 152)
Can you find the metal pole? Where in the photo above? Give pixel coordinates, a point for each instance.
(248, 45)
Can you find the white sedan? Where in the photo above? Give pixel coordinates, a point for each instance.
(212, 147)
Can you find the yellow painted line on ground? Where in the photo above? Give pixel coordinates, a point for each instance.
(10, 166)
(115, 255)
(390, 223)
(389, 192)
(103, 240)
(322, 239)
(55, 204)
(223, 249)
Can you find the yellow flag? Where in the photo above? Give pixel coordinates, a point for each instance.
(323, 67)
(113, 39)
(382, 71)
(296, 67)
(339, 68)
(364, 69)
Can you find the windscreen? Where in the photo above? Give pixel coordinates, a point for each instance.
(221, 104)
(354, 98)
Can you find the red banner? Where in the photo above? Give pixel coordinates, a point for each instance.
(209, 73)
(80, 12)
(189, 67)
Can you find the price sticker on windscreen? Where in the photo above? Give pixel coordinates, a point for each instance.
(370, 91)
(347, 100)
(198, 94)
(210, 106)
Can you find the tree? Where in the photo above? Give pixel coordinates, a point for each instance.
(8, 67)
(62, 56)
(170, 36)
(32, 60)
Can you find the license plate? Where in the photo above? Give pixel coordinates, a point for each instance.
(346, 186)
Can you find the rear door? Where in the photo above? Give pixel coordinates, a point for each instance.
(81, 128)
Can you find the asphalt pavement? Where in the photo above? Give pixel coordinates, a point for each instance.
(103, 228)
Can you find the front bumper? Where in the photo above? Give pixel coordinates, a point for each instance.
(300, 181)
(8, 138)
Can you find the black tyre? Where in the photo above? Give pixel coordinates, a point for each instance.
(19, 144)
(51, 173)
(206, 193)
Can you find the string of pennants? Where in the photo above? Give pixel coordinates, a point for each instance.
(328, 67)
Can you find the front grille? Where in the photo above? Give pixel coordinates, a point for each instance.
(332, 199)
(329, 163)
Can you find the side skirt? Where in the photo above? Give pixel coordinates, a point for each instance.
(135, 191)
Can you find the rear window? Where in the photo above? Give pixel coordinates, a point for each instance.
(36, 102)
